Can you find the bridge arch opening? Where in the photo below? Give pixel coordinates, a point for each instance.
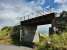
(43, 29)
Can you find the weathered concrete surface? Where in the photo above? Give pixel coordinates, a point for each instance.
(6, 47)
(29, 32)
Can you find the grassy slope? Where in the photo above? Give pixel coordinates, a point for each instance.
(57, 41)
(5, 36)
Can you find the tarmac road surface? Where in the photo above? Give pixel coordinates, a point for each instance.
(11, 47)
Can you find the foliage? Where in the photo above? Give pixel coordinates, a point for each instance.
(5, 35)
(57, 42)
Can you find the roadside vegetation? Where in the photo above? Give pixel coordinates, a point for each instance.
(54, 42)
(5, 35)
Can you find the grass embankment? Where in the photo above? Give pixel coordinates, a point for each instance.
(5, 35)
(54, 42)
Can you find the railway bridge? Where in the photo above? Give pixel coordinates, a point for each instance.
(29, 27)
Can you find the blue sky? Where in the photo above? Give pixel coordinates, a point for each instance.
(11, 9)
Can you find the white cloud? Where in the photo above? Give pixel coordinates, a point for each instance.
(10, 9)
(62, 5)
(59, 1)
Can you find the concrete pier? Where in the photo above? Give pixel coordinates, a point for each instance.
(28, 32)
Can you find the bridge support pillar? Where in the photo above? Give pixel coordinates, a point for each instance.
(28, 33)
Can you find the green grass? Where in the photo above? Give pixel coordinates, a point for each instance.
(57, 42)
(5, 36)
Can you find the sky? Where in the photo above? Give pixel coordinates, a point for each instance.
(12, 11)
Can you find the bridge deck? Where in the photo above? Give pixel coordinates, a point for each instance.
(44, 19)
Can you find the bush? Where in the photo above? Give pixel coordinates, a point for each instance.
(58, 42)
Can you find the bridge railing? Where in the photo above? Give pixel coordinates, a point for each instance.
(23, 18)
(27, 17)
